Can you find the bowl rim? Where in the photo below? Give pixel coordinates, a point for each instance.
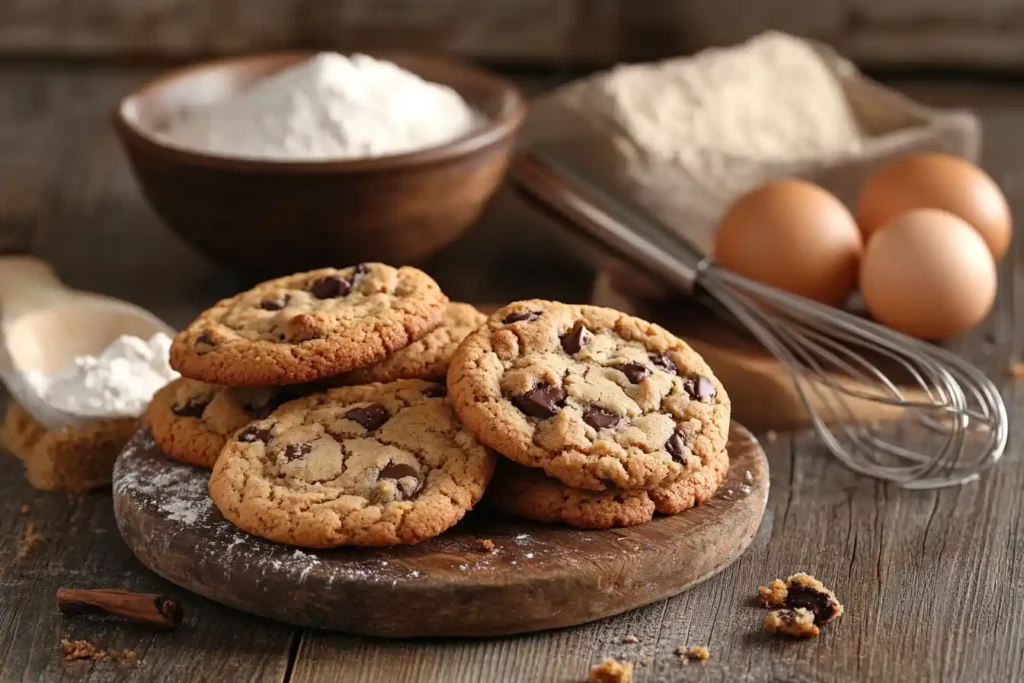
(492, 131)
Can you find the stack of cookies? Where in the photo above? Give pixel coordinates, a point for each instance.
(358, 406)
(604, 419)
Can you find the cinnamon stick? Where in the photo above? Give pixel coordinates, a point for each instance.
(148, 608)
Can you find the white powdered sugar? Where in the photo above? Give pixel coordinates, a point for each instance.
(119, 382)
(328, 107)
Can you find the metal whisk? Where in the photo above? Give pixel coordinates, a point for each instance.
(833, 357)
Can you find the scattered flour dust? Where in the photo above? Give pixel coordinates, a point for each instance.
(119, 382)
(328, 107)
(179, 491)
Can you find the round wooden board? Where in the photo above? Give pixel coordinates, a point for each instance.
(537, 577)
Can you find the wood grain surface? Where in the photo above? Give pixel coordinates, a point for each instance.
(537, 577)
(560, 32)
(931, 581)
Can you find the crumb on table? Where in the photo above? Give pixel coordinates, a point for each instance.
(697, 653)
(770, 436)
(631, 639)
(76, 650)
(29, 540)
(796, 623)
(611, 671)
(25, 509)
(802, 590)
(1017, 370)
(772, 595)
(485, 545)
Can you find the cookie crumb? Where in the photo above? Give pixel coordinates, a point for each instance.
(795, 623)
(770, 436)
(1017, 370)
(29, 540)
(697, 653)
(693, 653)
(611, 671)
(25, 509)
(644, 662)
(77, 650)
(802, 591)
(485, 545)
(773, 595)
(631, 639)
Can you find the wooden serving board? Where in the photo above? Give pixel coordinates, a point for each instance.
(537, 577)
(763, 395)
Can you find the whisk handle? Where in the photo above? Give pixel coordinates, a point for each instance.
(625, 230)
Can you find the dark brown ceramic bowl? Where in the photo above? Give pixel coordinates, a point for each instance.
(279, 217)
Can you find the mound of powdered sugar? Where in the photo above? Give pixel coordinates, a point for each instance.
(328, 107)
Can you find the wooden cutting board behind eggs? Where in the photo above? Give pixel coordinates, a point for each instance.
(685, 137)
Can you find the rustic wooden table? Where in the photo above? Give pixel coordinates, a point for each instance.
(929, 579)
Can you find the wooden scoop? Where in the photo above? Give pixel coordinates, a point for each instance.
(44, 325)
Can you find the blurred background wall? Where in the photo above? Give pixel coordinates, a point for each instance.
(875, 33)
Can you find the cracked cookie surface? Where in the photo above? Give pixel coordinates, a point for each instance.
(425, 359)
(596, 398)
(380, 464)
(192, 420)
(529, 494)
(308, 326)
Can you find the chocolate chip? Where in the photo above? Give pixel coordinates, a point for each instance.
(525, 316)
(193, 408)
(823, 605)
(436, 391)
(543, 401)
(398, 470)
(599, 418)
(275, 304)
(634, 372)
(297, 450)
(252, 434)
(369, 417)
(663, 362)
(699, 387)
(205, 338)
(676, 447)
(575, 339)
(330, 287)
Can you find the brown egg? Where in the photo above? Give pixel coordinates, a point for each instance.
(937, 181)
(795, 236)
(928, 274)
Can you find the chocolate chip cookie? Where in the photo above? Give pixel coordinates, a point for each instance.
(308, 326)
(528, 493)
(596, 398)
(378, 464)
(426, 359)
(191, 420)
